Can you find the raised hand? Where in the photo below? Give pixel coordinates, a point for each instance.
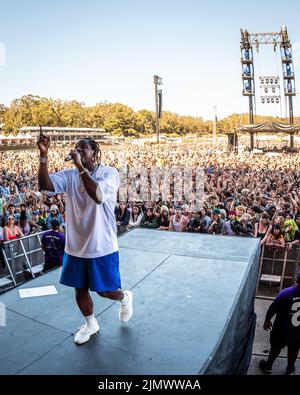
(43, 143)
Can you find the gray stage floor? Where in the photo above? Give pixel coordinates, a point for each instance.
(184, 289)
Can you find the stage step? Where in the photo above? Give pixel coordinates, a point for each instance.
(270, 278)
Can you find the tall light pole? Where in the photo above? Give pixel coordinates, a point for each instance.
(158, 103)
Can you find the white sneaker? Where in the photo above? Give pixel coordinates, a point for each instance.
(126, 309)
(85, 332)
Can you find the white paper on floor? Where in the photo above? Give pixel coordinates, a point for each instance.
(37, 291)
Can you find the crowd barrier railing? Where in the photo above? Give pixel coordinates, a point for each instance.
(23, 258)
(278, 268)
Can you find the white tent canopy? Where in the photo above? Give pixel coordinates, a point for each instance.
(59, 129)
(9, 137)
(18, 137)
(25, 137)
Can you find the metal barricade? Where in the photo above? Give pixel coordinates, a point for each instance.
(292, 266)
(277, 269)
(24, 259)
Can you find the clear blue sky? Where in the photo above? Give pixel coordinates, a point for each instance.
(109, 50)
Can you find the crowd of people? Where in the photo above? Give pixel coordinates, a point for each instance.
(246, 195)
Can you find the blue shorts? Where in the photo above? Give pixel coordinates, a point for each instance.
(97, 274)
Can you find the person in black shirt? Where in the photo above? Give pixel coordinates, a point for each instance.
(285, 331)
(53, 244)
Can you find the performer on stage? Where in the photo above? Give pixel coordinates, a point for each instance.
(91, 260)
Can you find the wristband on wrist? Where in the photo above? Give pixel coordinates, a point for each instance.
(43, 159)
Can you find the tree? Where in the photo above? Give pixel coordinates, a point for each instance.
(46, 113)
(147, 122)
(118, 119)
(72, 114)
(121, 118)
(3, 109)
(169, 123)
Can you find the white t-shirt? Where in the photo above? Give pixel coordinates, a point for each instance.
(91, 228)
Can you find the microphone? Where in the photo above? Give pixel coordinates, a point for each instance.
(69, 157)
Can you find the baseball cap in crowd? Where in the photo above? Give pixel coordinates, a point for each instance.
(216, 211)
(53, 207)
(178, 207)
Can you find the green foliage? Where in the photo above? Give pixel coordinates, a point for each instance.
(3, 109)
(147, 122)
(116, 118)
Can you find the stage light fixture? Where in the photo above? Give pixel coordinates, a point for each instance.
(287, 53)
(247, 70)
(247, 87)
(270, 86)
